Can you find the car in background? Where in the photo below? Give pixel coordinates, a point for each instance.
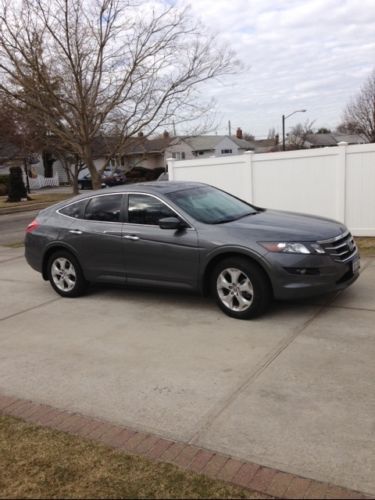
(109, 179)
(190, 236)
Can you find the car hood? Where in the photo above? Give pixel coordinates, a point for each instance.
(274, 225)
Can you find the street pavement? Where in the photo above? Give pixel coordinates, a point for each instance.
(293, 390)
(12, 226)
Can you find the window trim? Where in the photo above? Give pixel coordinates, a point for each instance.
(88, 199)
(126, 220)
(124, 209)
(68, 205)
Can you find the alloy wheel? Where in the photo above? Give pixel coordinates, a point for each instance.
(63, 274)
(235, 289)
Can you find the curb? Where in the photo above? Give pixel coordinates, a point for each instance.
(264, 480)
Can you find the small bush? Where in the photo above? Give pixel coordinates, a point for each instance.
(4, 180)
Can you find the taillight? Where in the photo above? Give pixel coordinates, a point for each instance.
(32, 226)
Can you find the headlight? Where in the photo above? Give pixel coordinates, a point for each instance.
(286, 247)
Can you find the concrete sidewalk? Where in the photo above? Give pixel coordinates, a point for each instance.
(293, 390)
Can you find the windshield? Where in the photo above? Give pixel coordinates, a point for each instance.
(210, 205)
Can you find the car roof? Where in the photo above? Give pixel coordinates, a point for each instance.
(153, 187)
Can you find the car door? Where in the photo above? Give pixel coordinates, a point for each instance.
(154, 255)
(96, 238)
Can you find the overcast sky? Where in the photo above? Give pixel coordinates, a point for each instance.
(303, 54)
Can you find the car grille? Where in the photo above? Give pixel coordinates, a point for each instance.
(342, 248)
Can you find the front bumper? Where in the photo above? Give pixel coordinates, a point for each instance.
(323, 274)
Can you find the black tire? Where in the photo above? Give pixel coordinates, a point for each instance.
(245, 297)
(71, 282)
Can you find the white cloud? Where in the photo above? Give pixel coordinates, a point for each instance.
(312, 54)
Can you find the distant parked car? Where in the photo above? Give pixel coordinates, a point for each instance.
(109, 179)
(190, 236)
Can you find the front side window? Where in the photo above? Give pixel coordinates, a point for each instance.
(226, 151)
(74, 210)
(105, 208)
(209, 205)
(144, 209)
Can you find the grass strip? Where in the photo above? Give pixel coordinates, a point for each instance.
(37, 462)
(36, 200)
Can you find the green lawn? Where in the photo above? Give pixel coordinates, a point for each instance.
(37, 462)
(36, 199)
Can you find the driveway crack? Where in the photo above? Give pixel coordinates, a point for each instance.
(30, 309)
(221, 406)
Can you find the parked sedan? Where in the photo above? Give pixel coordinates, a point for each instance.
(108, 180)
(190, 236)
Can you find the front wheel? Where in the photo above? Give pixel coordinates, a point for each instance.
(241, 288)
(65, 274)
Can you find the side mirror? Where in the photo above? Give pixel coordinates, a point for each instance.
(170, 223)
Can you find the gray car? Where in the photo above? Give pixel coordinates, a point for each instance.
(190, 236)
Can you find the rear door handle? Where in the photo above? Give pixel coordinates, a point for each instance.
(75, 231)
(131, 237)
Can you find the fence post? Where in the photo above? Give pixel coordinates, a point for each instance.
(248, 155)
(170, 162)
(341, 182)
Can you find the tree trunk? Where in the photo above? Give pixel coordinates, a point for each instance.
(74, 179)
(89, 162)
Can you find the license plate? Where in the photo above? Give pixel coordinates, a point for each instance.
(356, 264)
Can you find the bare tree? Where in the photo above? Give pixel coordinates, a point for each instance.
(298, 134)
(359, 115)
(107, 67)
(248, 136)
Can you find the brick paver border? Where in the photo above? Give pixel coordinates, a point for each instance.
(265, 480)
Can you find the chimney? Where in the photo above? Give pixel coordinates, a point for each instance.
(140, 134)
(165, 134)
(239, 133)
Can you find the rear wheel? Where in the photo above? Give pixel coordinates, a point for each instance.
(241, 288)
(65, 274)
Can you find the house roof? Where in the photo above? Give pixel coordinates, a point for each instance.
(102, 146)
(8, 151)
(332, 139)
(209, 142)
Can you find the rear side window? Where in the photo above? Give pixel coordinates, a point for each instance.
(74, 210)
(104, 208)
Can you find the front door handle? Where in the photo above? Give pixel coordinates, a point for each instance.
(75, 231)
(131, 237)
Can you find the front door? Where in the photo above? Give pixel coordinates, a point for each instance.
(154, 255)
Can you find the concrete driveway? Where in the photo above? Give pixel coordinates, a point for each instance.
(293, 390)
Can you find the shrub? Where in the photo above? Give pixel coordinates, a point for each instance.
(16, 188)
(4, 179)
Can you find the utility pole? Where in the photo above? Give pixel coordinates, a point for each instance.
(229, 128)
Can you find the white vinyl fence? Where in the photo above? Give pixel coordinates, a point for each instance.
(40, 181)
(335, 182)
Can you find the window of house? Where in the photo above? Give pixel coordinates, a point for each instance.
(226, 151)
(105, 208)
(74, 210)
(178, 155)
(144, 209)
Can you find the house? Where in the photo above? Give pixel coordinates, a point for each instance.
(332, 139)
(203, 146)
